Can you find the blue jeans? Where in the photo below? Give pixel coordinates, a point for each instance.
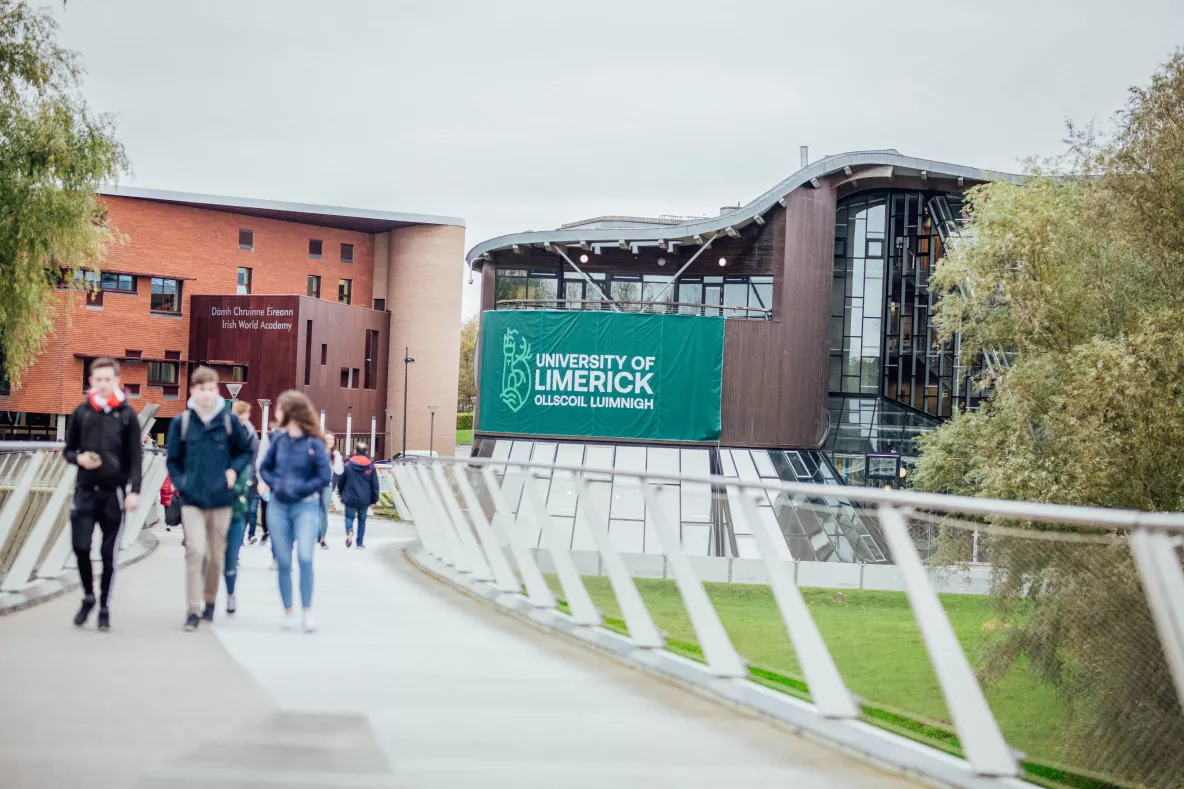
(252, 511)
(288, 524)
(359, 513)
(326, 500)
(234, 541)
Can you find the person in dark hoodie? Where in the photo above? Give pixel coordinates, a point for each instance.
(358, 488)
(104, 442)
(295, 471)
(207, 451)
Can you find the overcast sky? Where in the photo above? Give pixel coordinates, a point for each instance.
(524, 114)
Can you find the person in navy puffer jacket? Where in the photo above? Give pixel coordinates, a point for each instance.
(358, 487)
(295, 471)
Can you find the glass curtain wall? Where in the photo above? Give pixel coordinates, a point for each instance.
(882, 342)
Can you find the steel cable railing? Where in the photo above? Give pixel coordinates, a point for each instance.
(1071, 668)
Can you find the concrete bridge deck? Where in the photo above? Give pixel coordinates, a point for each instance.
(408, 684)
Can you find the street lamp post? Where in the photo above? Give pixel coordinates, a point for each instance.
(263, 425)
(432, 429)
(407, 360)
(234, 390)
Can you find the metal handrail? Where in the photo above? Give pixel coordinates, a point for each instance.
(458, 528)
(653, 307)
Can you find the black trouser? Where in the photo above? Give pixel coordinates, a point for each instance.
(103, 506)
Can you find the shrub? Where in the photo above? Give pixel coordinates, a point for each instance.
(464, 421)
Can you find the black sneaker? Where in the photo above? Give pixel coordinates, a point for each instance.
(324, 544)
(191, 623)
(263, 540)
(88, 603)
(104, 619)
(208, 614)
(349, 538)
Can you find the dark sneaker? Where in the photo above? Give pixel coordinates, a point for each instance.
(263, 540)
(349, 538)
(324, 544)
(88, 603)
(104, 619)
(191, 623)
(230, 606)
(208, 614)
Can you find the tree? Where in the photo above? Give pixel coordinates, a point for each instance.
(54, 153)
(1081, 271)
(467, 388)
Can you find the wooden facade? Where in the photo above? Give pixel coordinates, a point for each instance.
(334, 353)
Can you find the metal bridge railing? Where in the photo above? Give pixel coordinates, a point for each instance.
(1069, 668)
(36, 486)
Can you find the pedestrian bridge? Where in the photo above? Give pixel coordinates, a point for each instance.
(465, 649)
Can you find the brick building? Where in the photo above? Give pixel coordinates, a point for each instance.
(405, 267)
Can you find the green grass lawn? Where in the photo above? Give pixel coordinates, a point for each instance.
(464, 437)
(875, 643)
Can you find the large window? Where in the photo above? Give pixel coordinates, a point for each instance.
(166, 295)
(118, 283)
(700, 295)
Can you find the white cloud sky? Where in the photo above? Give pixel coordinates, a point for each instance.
(524, 114)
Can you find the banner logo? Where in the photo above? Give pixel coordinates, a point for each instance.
(515, 370)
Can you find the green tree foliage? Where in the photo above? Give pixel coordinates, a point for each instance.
(1081, 271)
(467, 387)
(54, 153)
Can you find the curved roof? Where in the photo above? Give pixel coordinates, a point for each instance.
(745, 214)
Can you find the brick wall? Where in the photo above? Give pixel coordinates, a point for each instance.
(180, 241)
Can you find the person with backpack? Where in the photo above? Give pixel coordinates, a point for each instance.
(171, 503)
(244, 491)
(104, 442)
(358, 488)
(208, 449)
(262, 496)
(295, 472)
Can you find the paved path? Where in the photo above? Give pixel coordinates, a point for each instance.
(408, 684)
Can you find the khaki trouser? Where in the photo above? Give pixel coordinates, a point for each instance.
(205, 539)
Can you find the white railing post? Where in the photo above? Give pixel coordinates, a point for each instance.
(718, 650)
(825, 684)
(503, 575)
(455, 556)
(537, 591)
(583, 611)
(20, 492)
(429, 536)
(151, 478)
(25, 564)
(1163, 582)
(465, 532)
(978, 731)
(642, 629)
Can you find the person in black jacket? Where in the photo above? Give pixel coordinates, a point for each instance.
(104, 442)
(358, 488)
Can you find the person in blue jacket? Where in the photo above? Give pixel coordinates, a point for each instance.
(358, 488)
(207, 451)
(295, 471)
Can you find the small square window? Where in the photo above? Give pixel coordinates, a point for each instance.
(380, 305)
(131, 354)
(347, 253)
(172, 355)
(131, 390)
(315, 246)
(246, 240)
(244, 281)
(840, 247)
(875, 247)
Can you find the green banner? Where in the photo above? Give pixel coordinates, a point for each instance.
(601, 374)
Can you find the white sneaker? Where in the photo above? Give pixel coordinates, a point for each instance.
(310, 626)
(289, 621)
(273, 564)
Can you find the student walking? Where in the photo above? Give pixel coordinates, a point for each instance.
(358, 487)
(104, 442)
(295, 471)
(207, 451)
(244, 489)
(258, 510)
(327, 494)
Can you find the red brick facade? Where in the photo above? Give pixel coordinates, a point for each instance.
(167, 240)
